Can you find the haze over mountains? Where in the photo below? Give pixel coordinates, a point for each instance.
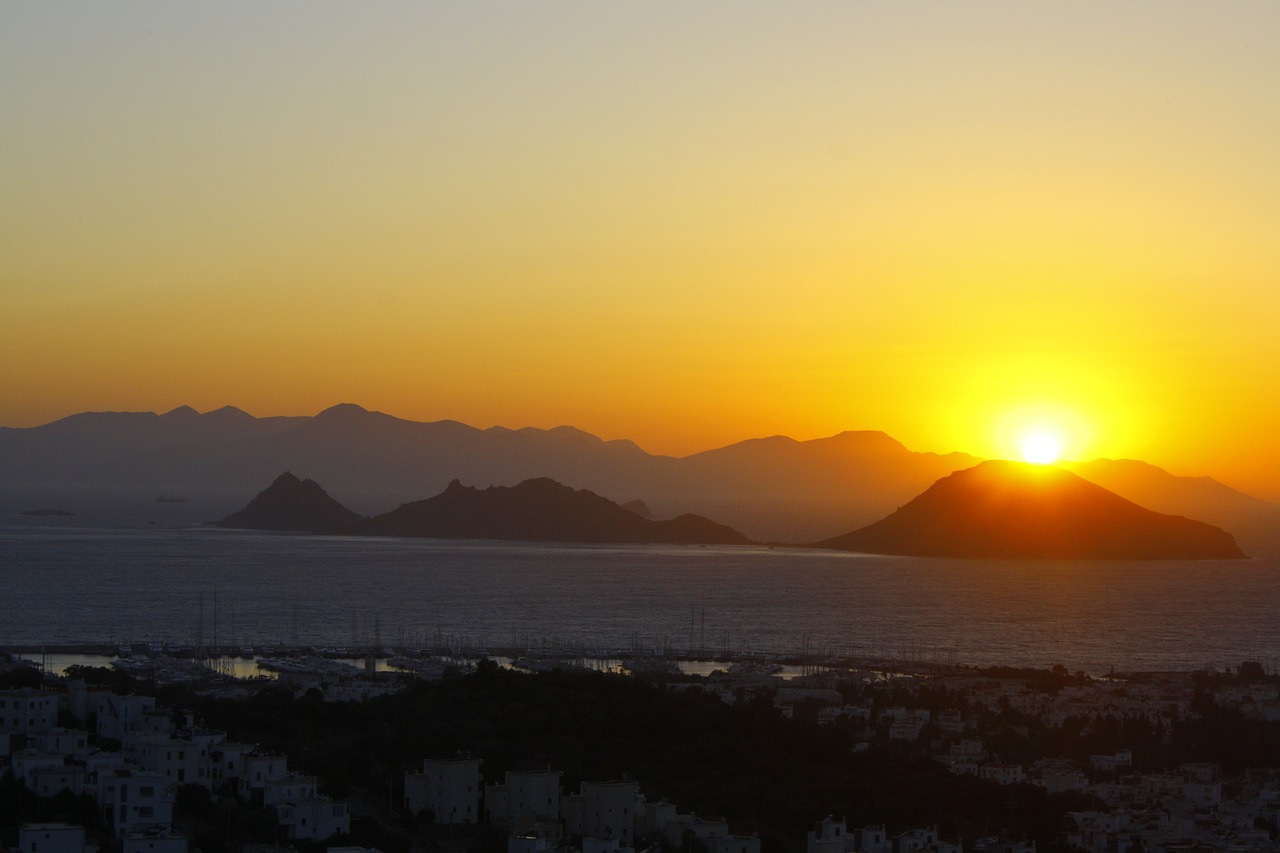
(771, 489)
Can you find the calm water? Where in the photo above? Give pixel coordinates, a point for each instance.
(60, 585)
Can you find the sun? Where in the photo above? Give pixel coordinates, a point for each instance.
(1041, 448)
(1040, 432)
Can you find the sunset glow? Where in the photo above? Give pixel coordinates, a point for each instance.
(684, 224)
(1041, 449)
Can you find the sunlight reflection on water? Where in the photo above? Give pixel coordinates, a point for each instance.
(112, 586)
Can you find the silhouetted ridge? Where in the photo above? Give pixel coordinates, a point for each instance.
(292, 504)
(774, 489)
(537, 510)
(639, 507)
(1018, 510)
(542, 510)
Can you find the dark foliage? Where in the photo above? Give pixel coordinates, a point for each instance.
(18, 805)
(744, 762)
(20, 677)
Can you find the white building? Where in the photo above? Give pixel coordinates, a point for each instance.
(314, 819)
(967, 748)
(1059, 775)
(908, 729)
(24, 765)
(448, 788)
(655, 816)
(872, 839)
(137, 801)
(703, 830)
(181, 762)
(734, 844)
(27, 710)
(1202, 795)
(50, 838)
(256, 769)
(290, 788)
(828, 836)
(226, 762)
(76, 698)
(609, 810)
(924, 841)
(72, 743)
(524, 794)
(154, 721)
(51, 781)
(154, 842)
(208, 738)
(1111, 763)
(598, 845)
(119, 716)
(1001, 774)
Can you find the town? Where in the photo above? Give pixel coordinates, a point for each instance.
(919, 759)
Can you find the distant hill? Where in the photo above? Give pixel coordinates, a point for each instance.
(293, 504)
(536, 510)
(1254, 523)
(111, 465)
(1017, 510)
(639, 507)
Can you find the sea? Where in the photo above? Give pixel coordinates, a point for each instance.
(62, 586)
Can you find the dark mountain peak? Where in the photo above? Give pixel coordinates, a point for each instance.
(352, 422)
(182, 412)
(1009, 509)
(229, 413)
(1008, 471)
(1138, 476)
(750, 448)
(344, 411)
(545, 486)
(572, 439)
(540, 509)
(871, 439)
(639, 507)
(569, 433)
(293, 504)
(783, 449)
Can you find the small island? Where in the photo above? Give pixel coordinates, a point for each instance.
(536, 510)
(1020, 510)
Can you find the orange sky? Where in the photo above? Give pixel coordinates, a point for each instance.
(685, 224)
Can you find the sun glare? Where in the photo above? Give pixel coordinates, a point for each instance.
(1041, 448)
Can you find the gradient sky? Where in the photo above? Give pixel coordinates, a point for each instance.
(681, 223)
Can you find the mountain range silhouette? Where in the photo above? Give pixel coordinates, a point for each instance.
(993, 510)
(536, 510)
(108, 467)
